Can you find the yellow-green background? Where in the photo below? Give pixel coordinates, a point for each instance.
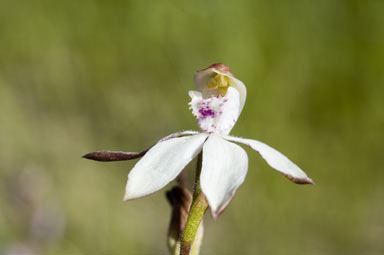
(80, 76)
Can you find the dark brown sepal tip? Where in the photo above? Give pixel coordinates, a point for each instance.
(299, 180)
(108, 156)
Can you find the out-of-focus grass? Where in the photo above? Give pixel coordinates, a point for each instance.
(79, 76)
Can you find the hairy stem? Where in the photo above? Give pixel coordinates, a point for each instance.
(189, 241)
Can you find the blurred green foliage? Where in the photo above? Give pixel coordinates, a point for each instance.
(80, 76)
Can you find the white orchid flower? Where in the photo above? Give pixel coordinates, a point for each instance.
(216, 104)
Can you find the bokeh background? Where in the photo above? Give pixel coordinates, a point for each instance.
(81, 76)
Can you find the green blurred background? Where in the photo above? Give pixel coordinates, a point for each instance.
(80, 76)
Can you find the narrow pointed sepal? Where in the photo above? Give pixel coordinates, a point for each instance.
(108, 156)
(276, 160)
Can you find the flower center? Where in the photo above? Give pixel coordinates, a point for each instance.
(216, 113)
(220, 83)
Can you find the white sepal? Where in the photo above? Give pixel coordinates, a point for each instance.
(161, 164)
(276, 160)
(224, 169)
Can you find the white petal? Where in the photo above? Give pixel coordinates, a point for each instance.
(239, 85)
(224, 169)
(276, 160)
(230, 111)
(161, 164)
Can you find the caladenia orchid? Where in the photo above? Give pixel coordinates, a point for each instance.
(221, 165)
